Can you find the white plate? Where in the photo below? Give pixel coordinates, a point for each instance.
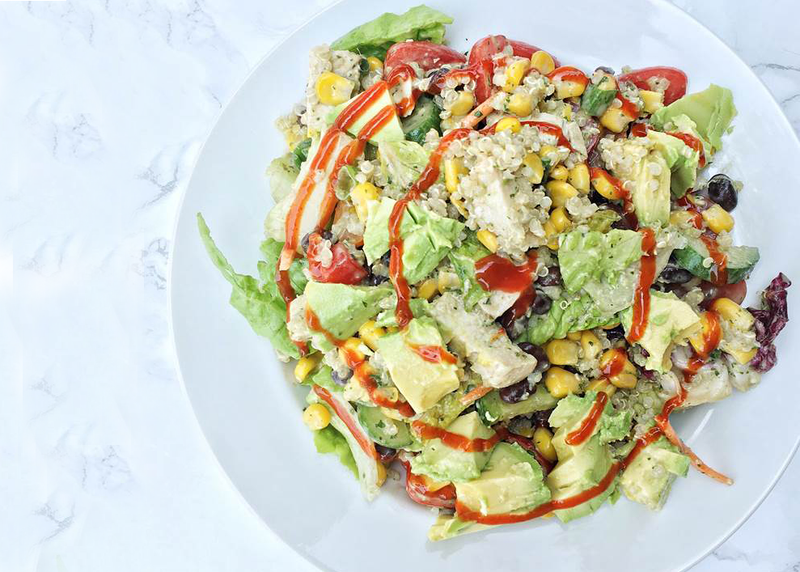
(251, 415)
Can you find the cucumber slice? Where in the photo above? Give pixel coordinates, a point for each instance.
(596, 99)
(300, 152)
(424, 118)
(383, 430)
(741, 260)
(492, 409)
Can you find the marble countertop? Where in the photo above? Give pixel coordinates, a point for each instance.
(103, 108)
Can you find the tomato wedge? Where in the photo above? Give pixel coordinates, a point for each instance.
(677, 80)
(419, 493)
(525, 50)
(343, 268)
(425, 54)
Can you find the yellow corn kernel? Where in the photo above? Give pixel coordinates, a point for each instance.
(511, 123)
(743, 357)
(381, 473)
(463, 103)
(560, 382)
(447, 280)
(590, 344)
(574, 336)
(316, 416)
(560, 192)
(602, 384)
(427, 289)
(361, 195)
(459, 204)
(551, 233)
(374, 63)
(615, 120)
(370, 333)
(514, 74)
(543, 62)
(625, 380)
(306, 365)
(333, 89)
(392, 330)
(559, 173)
(609, 355)
(535, 163)
(488, 239)
(733, 313)
(604, 187)
(718, 219)
(520, 104)
(566, 112)
(543, 441)
(680, 218)
(562, 352)
(579, 177)
(566, 88)
(453, 169)
(550, 153)
(352, 350)
(652, 100)
(560, 219)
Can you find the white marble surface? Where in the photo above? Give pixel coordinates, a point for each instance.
(103, 108)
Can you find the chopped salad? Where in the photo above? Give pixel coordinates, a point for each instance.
(502, 274)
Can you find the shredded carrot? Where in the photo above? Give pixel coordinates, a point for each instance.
(475, 395)
(478, 114)
(698, 464)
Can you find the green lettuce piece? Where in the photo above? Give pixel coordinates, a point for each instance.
(602, 220)
(402, 161)
(463, 260)
(271, 249)
(329, 440)
(570, 313)
(260, 303)
(378, 35)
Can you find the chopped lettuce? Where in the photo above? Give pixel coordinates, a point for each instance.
(463, 260)
(402, 161)
(570, 313)
(329, 440)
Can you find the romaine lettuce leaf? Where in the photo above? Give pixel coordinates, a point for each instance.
(402, 161)
(329, 440)
(463, 260)
(570, 313)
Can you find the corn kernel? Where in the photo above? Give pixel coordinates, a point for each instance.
(520, 104)
(606, 189)
(514, 74)
(743, 357)
(611, 355)
(614, 119)
(562, 352)
(680, 218)
(560, 192)
(733, 312)
(550, 153)
(590, 344)
(488, 239)
(333, 89)
(447, 280)
(551, 233)
(316, 416)
(602, 384)
(374, 63)
(566, 112)
(543, 62)
(453, 169)
(305, 365)
(624, 380)
(361, 195)
(574, 336)
(566, 88)
(543, 441)
(560, 382)
(559, 173)
(392, 330)
(370, 333)
(381, 473)
(718, 219)
(560, 221)
(511, 123)
(579, 177)
(350, 353)
(652, 100)
(535, 163)
(427, 289)
(463, 103)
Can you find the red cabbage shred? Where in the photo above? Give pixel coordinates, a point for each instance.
(770, 320)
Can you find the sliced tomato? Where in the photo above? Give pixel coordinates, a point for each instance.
(343, 268)
(568, 73)
(676, 78)
(525, 50)
(638, 130)
(419, 493)
(485, 48)
(425, 54)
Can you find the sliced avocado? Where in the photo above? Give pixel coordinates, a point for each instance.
(426, 116)
(384, 430)
(740, 260)
(421, 382)
(402, 161)
(444, 463)
(670, 322)
(391, 130)
(463, 259)
(388, 319)
(681, 159)
(342, 309)
(492, 409)
(651, 190)
(712, 111)
(649, 477)
(447, 526)
(512, 481)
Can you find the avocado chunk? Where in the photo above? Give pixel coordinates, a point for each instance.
(651, 190)
(492, 409)
(427, 237)
(740, 260)
(648, 479)
(342, 309)
(384, 430)
(512, 481)
(402, 161)
(390, 131)
(447, 526)
(712, 111)
(421, 382)
(671, 321)
(583, 466)
(444, 463)
(681, 159)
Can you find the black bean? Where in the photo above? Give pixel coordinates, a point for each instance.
(606, 69)
(553, 277)
(341, 379)
(541, 304)
(386, 454)
(517, 392)
(386, 258)
(598, 199)
(720, 189)
(615, 333)
(541, 418)
(674, 275)
(375, 279)
(543, 364)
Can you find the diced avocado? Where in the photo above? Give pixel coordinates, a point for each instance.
(739, 264)
(583, 466)
(444, 463)
(427, 237)
(681, 159)
(492, 409)
(421, 382)
(670, 322)
(596, 99)
(402, 161)
(449, 407)
(712, 111)
(342, 309)
(649, 477)
(424, 118)
(390, 131)
(388, 319)
(463, 260)
(512, 481)
(570, 313)
(384, 430)
(651, 190)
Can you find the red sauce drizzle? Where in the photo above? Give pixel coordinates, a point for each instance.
(621, 192)
(651, 436)
(641, 298)
(399, 74)
(697, 218)
(719, 275)
(426, 179)
(364, 442)
(586, 428)
(692, 142)
(454, 440)
(568, 73)
(521, 305)
(615, 364)
(628, 107)
(433, 354)
(493, 272)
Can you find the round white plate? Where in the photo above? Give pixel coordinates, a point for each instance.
(250, 413)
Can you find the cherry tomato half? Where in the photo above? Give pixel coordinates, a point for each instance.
(343, 268)
(677, 80)
(426, 54)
